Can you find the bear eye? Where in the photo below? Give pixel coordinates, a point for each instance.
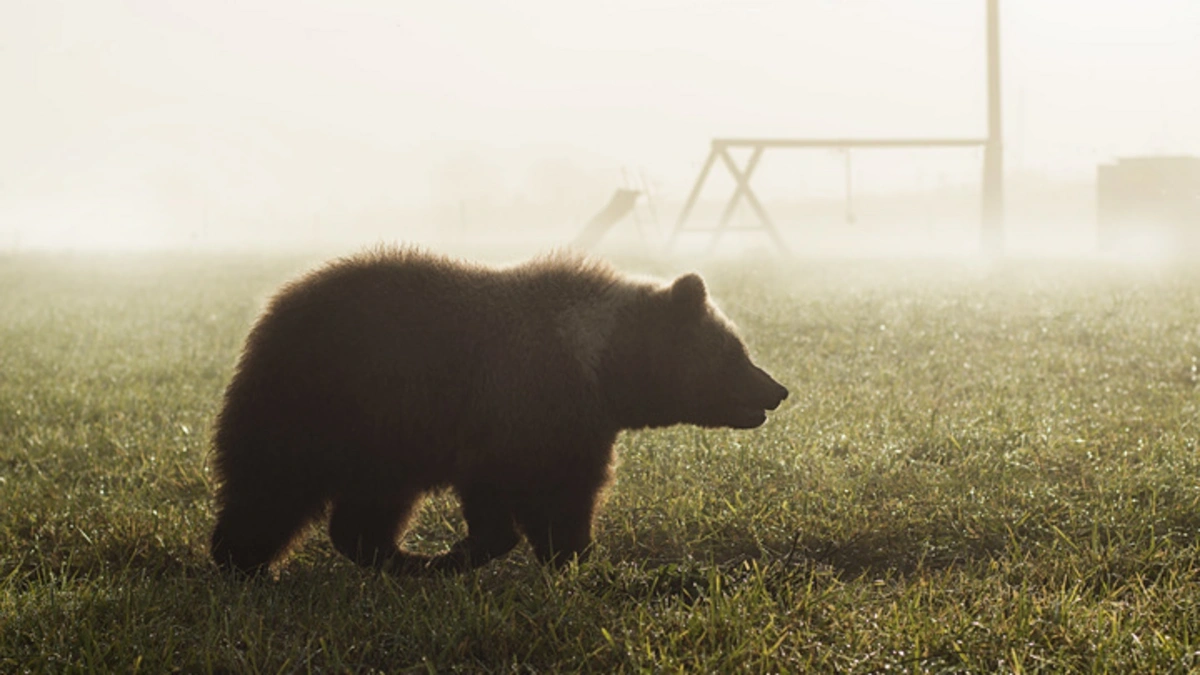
(736, 352)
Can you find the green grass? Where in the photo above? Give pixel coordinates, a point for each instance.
(980, 469)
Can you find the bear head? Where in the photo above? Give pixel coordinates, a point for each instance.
(677, 359)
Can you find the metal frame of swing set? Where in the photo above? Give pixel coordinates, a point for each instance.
(720, 149)
(992, 200)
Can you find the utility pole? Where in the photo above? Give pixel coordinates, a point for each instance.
(992, 206)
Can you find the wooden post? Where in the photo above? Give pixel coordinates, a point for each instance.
(992, 206)
(691, 200)
(850, 217)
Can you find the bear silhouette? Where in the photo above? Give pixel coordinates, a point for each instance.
(381, 377)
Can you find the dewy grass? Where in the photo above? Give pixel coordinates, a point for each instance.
(979, 469)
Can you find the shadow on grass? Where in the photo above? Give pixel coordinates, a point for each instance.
(887, 552)
(902, 549)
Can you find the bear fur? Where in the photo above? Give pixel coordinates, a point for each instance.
(381, 377)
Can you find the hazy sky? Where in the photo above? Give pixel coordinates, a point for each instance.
(269, 97)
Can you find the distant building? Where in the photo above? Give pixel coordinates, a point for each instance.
(1149, 198)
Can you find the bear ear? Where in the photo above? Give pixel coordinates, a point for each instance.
(688, 292)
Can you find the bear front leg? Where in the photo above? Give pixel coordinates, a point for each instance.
(491, 531)
(558, 524)
(366, 530)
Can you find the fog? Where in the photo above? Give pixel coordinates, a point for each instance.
(264, 124)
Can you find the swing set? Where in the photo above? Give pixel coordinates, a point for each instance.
(992, 202)
(741, 176)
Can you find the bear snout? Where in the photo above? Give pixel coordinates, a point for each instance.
(758, 394)
(773, 393)
(781, 394)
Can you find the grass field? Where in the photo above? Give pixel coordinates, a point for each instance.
(979, 469)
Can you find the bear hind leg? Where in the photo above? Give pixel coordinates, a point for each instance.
(251, 533)
(366, 530)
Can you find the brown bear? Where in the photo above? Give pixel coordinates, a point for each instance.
(386, 375)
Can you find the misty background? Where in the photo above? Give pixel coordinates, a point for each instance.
(267, 124)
